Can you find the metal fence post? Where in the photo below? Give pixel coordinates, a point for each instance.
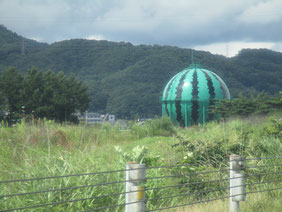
(135, 194)
(237, 182)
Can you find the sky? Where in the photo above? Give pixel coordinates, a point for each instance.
(218, 26)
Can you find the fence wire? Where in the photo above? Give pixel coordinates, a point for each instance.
(63, 189)
(189, 183)
(109, 183)
(263, 174)
(202, 201)
(265, 182)
(98, 173)
(210, 200)
(189, 175)
(70, 201)
(260, 166)
(211, 190)
(124, 170)
(154, 188)
(194, 183)
(188, 194)
(65, 176)
(264, 158)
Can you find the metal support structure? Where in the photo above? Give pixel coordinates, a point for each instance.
(237, 182)
(185, 115)
(135, 195)
(204, 114)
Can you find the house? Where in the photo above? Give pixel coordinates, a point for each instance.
(95, 118)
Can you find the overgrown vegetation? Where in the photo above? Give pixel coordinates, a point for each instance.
(49, 149)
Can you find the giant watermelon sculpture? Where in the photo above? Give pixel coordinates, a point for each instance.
(188, 96)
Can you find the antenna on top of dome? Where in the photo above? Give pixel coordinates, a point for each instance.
(192, 57)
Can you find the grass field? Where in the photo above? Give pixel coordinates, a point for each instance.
(49, 149)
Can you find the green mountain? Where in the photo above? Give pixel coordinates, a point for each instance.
(127, 80)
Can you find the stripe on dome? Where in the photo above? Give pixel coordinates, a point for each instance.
(179, 91)
(195, 96)
(222, 86)
(178, 111)
(211, 92)
(168, 87)
(179, 88)
(210, 85)
(195, 90)
(195, 108)
(166, 110)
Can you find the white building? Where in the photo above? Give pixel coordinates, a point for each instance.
(95, 118)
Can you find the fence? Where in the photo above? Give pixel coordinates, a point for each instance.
(140, 188)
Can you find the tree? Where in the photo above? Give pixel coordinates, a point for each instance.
(248, 105)
(11, 89)
(33, 89)
(3, 105)
(49, 95)
(276, 102)
(70, 95)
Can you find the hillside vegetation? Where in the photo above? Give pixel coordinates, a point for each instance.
(49, 149)
(127, 80)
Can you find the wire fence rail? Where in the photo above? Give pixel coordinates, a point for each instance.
(140, 193)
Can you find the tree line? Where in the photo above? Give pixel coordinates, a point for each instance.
(246, 105)
(41, 95)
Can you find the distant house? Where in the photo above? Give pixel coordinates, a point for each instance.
(95, 118)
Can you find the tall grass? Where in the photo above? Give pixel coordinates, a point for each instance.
(259, 202)
(50, 149)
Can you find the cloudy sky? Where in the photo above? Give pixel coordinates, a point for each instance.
(219, 26)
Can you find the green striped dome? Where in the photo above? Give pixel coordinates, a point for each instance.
(189, 94)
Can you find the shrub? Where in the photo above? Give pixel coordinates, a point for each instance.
(156, 127)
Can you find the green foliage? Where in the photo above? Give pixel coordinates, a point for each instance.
(243, 106)
(11, 89)
(274, 128)
(252, 138)
(38, 95)
(51, 149)
(155, 127)
(127, 80)
(138, 155)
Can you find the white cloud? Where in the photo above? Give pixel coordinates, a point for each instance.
(184, 23)
(36, 39)
(262, 13)
(95, 37)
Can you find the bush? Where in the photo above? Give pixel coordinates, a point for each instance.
(156, 127)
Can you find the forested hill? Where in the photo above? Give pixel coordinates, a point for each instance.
(127, 80)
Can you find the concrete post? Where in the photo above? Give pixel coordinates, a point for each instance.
(136, 193)
(237, 182)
